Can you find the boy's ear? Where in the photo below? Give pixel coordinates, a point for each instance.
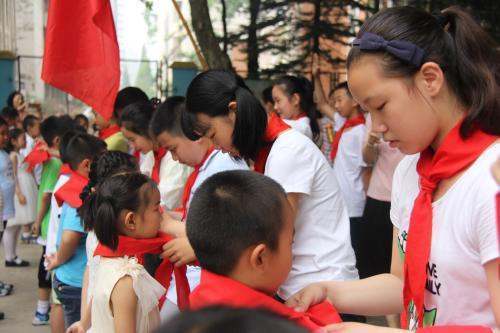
(85, 164)
(56, 141)
(130, 221)
(258, 257)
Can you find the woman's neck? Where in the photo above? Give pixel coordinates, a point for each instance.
(449, 114)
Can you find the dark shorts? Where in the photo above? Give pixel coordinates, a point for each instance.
(44, 280)
(70, 298)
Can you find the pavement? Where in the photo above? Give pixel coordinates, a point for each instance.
(19, 307)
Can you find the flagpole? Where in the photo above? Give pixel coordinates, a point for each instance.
(200, 56)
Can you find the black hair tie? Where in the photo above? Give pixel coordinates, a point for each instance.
(441, 19)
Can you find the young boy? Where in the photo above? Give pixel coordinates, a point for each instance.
(109, 130)
(69, 262)
(206, 161)
(241, 227)
(347, 157)
(11, 116)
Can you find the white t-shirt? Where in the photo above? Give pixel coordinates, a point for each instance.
(218, 161)
(348, 167)
(302, 125)
(30, 144)
(54, 218)
(464, 238)
(173, 176)
(339, 121)
(322, 247)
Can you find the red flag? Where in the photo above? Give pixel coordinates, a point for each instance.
(81, 54)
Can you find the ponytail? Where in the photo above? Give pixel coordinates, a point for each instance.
(468, 57)
(106, 229)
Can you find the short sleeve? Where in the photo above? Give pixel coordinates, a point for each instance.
(395, 212)
(70, 219)
(173, 177)
(292, 168)
(50, 174)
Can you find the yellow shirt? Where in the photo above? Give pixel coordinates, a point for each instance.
(117, 142)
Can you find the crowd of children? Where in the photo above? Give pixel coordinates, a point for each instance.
(187, 215)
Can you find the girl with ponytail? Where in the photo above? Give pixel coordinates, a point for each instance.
(431, 85)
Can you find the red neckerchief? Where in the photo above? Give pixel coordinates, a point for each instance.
(70, 191)
(220, 290)
(38, 155)
(190, 183)
(455, 329)
(137, 155)
(158, 155)
(275, 126)
(300, 115)
(108, 131)
(132, 247)
(360, 119)
(453, 156)
(65, 169)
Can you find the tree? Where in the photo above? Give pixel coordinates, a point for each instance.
(145, 79)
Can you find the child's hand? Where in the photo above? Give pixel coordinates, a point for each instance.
(373, 139)
(35, 228)
(359, 328)
(21, 198)
(310, 295)
(76, 327)
(52, 261)
(171, 226)
(178, 251)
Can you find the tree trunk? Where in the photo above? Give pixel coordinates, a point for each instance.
(224, 26)
(252, 45)
(209, 45)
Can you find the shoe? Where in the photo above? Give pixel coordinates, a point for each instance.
(6, 286)
(17, 262)
(4, 292)
(40, 319)
(2, 315)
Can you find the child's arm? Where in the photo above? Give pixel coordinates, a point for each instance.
(172, 226)
(85, 307)
(44, 208)
(319, 93)
(179, 251)
(69, 242)
(19, 193)
(124, 305)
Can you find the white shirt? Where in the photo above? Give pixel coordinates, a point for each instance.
(464, 238)
(348, 167)
(30, 144)
(173, 176)
(218, 161)
(322, 247)
(54, 219)
(339, 121)
(302, 125)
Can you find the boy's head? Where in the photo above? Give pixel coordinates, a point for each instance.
(343, 102)
(80, 150)
(228, 320)
(10, 115)
(267, 99)
(4, 133)
(31, 126)
(240, 225)
(166, 128)
(53, 128)
(82, 121)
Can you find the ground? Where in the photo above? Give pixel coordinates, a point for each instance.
(19, 307)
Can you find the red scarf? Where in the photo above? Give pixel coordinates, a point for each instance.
(70, 191)
(360, 119)
(38, 155)
(108, 131)
(133, 247)
(65, 169)
(220, 290)
(453, 156)
(190, 183)
(455, 329)
(155, 173)
(275, 126)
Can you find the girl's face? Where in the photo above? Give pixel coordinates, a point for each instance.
(147, 223)
(139, 142)
(4, 136)
(18, 102)
(34, 131)
(220, 131)
(286, 106)
(100, 122)
(19, 142)
(397, 107)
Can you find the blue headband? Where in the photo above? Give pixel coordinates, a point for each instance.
(401, 49)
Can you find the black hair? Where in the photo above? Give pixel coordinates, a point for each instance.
(267, 95)
(106, 165)
(9, 113)
(10, 98)
(14, 134)
(219, 319)
(304, 88)
(136, 117)
(122, 191)
(342, 85)
(29, 121)
(468, 57)
(80, 146)
(210, 93)
(53, 127)
(82, 117)
(3, 122)
(168, 117)
(127, 96)
(231, 211)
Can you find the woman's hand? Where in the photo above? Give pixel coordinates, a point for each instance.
(310, 295)
(179, 251)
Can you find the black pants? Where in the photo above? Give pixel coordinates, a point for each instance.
(375, 239)
(44, 279)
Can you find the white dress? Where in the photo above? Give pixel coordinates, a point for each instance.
(101, 285)
(24, 214)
